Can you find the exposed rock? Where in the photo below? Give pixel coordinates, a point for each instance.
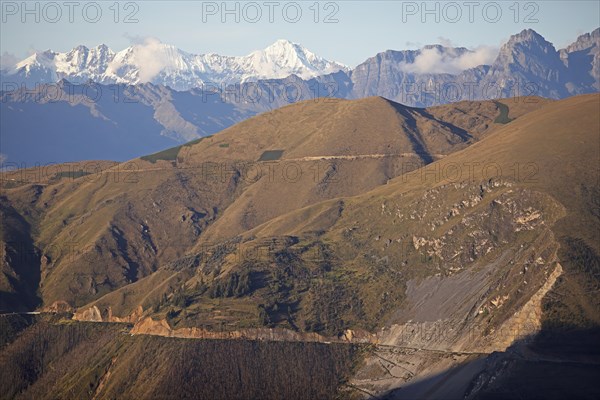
(148, 326)
(91, 314)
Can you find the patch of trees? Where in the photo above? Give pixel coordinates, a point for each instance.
(237, 284)
(332, 308)
(271, 313)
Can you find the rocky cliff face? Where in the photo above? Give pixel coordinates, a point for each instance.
(526, 65)
(582, 59)
(486, 297)
(529, 58)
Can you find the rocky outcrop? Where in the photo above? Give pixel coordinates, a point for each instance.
(487, 302)
(148, 326)
(93, 314)
(525, 322)
(411, 352)
(134, 317)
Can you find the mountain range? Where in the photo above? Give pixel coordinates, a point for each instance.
(180, 96)
(159, 63)
(526, 57)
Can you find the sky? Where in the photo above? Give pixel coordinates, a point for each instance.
(344, 31)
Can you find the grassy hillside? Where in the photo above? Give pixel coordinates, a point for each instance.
(102, 227)
(411, 221)
(346, 263)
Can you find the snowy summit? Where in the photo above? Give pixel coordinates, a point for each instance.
(160, 63)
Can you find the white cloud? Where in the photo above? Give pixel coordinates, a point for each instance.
(150, 57)
(433, 61)
(483, 55)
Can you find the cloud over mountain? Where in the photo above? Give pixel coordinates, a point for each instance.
(440, 60)
(151, 57)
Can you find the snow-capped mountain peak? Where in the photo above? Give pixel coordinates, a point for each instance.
(283, 58)
(160, 63)
(282, 46)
